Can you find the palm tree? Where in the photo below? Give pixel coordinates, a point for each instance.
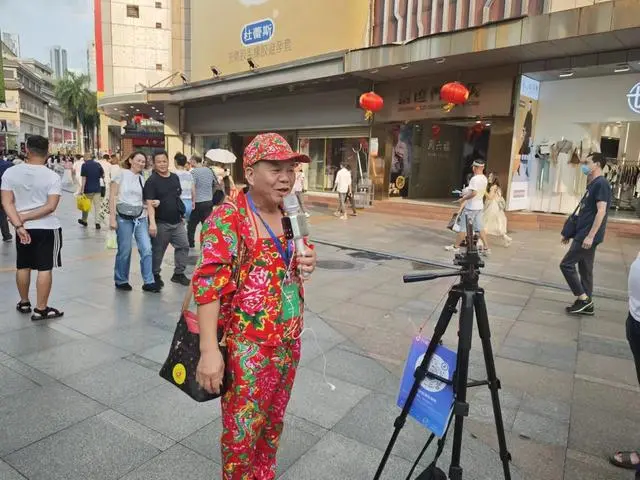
(77, 101)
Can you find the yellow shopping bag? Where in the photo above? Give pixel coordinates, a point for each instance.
(83, 203)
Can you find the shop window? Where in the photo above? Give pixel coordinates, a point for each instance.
(133, 11)
(158, 25)
(158, 66)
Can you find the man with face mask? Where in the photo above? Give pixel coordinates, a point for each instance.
(589, 233)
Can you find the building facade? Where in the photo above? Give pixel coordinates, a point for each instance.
(30, 107)
(139, 44)
(58, 58)
(91, 66)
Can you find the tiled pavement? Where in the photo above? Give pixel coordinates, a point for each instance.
(80, 397)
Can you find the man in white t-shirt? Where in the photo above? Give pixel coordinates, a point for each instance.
(343, 187)
(30, 195)
(473, 200)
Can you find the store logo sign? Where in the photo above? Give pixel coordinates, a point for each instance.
(529, 88)
(633, 98)
(258, 32)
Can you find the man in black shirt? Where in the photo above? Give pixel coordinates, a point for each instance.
(590, 229)
(91, 173)
(165, 220)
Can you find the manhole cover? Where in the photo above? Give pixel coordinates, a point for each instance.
(335, 265)
(376, 257)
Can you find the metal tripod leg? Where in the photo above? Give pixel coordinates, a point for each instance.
(494, 384)
(461, 407)
(421, 372)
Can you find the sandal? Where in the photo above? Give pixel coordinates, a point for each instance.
(625, 460)
(46, 314)
(24, 307)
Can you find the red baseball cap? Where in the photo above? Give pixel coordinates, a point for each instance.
(271, 147)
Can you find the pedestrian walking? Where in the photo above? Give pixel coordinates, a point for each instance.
(30, 196)
(631, 460)
(128, 217)
(343, 187)
(186, 183)
(91, 176)
(351, 196)
(205, 184)
(590, 224)
(162, 193)
(493, 216)
(298, 189)
(4, 223)
(473, 201)
(258, 300)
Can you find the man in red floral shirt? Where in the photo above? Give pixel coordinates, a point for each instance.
(248, 282)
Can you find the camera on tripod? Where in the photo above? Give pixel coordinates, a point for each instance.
(472, 303)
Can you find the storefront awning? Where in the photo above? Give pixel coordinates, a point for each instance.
(125, 106)
(603, 27)
(300, 71)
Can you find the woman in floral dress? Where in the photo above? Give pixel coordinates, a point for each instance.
(248, 282)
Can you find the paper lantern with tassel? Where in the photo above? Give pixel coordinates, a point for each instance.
(454, 93)
(371, 102)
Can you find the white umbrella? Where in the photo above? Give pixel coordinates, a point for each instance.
(220, 155)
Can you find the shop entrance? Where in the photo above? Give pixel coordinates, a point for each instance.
(430, 159)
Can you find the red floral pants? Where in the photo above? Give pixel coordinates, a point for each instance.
(253, 408)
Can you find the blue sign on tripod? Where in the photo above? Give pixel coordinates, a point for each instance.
(433, 404)
(257, 32)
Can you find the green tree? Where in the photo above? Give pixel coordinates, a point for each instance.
(79, 104)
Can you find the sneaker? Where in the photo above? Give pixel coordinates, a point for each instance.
(125, 287)
(181, 278)
(158, 280)
(7, 239)
(581, 307)
(343, 217)
(98, 227)
(307, 214)
(452, 248)
(83, 223)
(151, 287)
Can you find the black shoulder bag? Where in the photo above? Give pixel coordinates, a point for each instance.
(571, 224)
(180, 367)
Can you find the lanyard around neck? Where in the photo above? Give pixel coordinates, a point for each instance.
(286, 255)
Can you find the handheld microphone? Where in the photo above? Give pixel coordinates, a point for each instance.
(294, 224)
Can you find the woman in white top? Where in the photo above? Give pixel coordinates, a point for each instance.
(129, 219)
(494, 218)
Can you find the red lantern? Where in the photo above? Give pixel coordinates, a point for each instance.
(454, 93)
(371, 102)
(435, 131)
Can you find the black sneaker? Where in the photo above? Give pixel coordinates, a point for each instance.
(83, 223)
(98, 227)
(125, 287)
(7, 239)
(581, 307)
(158, 280)
(181, 278)
(151, 287)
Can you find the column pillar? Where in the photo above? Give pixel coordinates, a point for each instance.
(172, 132)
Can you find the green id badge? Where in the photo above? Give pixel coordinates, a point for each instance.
(290, 301)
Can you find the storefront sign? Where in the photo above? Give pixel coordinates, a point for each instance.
(147, 142)
(633, 98)
(420, 99)
(257, 32)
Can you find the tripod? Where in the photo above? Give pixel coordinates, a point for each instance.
(472, 300)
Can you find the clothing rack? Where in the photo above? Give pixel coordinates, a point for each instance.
(624, 178)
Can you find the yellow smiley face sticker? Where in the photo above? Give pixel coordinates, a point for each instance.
(179, 373)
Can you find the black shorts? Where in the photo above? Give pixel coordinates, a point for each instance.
(44, 251)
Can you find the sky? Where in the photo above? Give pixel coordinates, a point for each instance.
(42, 24)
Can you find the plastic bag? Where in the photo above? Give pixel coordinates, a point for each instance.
(112, 241)
(83, 203)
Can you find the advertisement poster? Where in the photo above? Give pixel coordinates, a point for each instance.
(433, 404)
(522, 149)
(401, 161)
(242, 35)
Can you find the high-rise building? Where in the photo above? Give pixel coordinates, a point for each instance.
(91, 66)
(58, 57)
(12, 40)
